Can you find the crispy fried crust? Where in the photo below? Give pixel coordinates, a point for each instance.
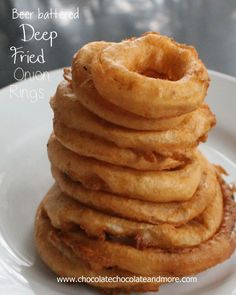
(175, 142)
(151, 261)
(90, 145)
(63, 262)
(89, 97)
(144, 185)
(133, 195)
(72, 253)
(175, 213)
(66, 214)
(121, 69)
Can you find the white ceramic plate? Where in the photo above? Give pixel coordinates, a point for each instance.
(25, 124)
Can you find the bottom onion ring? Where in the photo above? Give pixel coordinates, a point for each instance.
(152, 261)
(148, 262)
(66, 214)
(63, 261)
(175, 213)
(144, 185)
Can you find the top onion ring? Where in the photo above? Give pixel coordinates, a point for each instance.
(121, 69)
(88, 96)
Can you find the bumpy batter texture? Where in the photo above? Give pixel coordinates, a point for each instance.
(133, 196)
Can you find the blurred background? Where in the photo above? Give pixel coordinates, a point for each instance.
(209, 25)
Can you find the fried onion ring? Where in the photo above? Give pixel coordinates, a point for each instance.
(175, 213)
(154, 260)
(178, 141)
(122, 69)
(101, 255)
(133, 195)
(89, 145)
(144, 185)
(88, 96)
(63, 261)
(66, 213)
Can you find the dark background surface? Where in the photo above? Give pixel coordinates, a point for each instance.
(209, 25)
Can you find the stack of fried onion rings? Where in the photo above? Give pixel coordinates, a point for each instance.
(133, 196)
